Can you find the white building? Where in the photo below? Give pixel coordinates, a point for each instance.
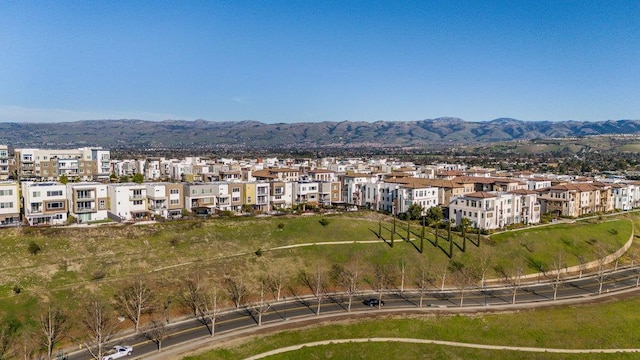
(306, 192)
(128, 202)
(9, 203)
(4, 162)
(45, 203)
(494, 210)
(88, 201)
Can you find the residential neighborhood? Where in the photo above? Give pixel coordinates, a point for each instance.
(84, 185)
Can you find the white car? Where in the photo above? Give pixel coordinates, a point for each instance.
(117, 352)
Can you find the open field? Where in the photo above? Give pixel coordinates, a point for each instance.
(74, 262)
(612, 324)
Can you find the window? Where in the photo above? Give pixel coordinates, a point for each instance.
(6, 192)
(36, 194)
(6, 205)
(175, 191)
(137, 202)
(103, 204)
(55, 205)
(54, 193)
(174, 201)
(235, 189)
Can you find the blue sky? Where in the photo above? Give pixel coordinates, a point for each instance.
(295, 61)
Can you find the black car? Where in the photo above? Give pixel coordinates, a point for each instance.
(373, 302)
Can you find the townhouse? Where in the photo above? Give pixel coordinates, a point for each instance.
(45, 203)
(9, 203)
(575, 200)
(165, 199)
(128, 202)
(306, 192)
(281, 194)
(201, 198)
(88, 201)
(256, 196)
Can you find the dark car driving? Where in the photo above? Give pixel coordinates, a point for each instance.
(373, 302)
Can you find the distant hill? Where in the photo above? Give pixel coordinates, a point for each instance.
(251, 134)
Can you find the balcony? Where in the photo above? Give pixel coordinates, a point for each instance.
(137, 197)
(85, 209)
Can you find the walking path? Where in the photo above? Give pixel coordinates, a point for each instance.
(440, 342)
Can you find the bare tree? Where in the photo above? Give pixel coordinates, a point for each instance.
(601, 261)
(557, 266)
(464, 277)
(157, 332)
(316, 283)
(512, 276)
(262, 306)
(237, 290)
(276, 280)
(423, 281)
(134, 299)
(100, 324)
(382, 280)
(443, 277)
(210, 305)
(9, 331)
(347, 278)
(484, 264)
(53, 328)
(402, 271)
(203, 300)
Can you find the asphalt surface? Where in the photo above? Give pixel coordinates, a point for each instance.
(290, 309)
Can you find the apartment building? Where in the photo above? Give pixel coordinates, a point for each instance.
(83, 164)
(88, 201)
(128, 202)
(322, 175)
(352, 185)
(165, 199)
(494, 210)
(45, 203)
(280, 174)
(4, 162)
(9, 203)
(575, 200)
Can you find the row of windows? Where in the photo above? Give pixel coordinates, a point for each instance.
(6, 205)
(6, 192)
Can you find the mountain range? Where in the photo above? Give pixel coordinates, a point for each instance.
(253, 134)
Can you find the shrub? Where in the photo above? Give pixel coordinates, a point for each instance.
(16, 289)
(258, 252)
(280, 226)
(174, 241)
(323, 222)
(98, 274)
(34, 248)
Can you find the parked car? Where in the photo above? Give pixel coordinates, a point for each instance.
(373, 302)
(117, 352)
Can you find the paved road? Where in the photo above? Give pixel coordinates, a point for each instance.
(493, 297)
